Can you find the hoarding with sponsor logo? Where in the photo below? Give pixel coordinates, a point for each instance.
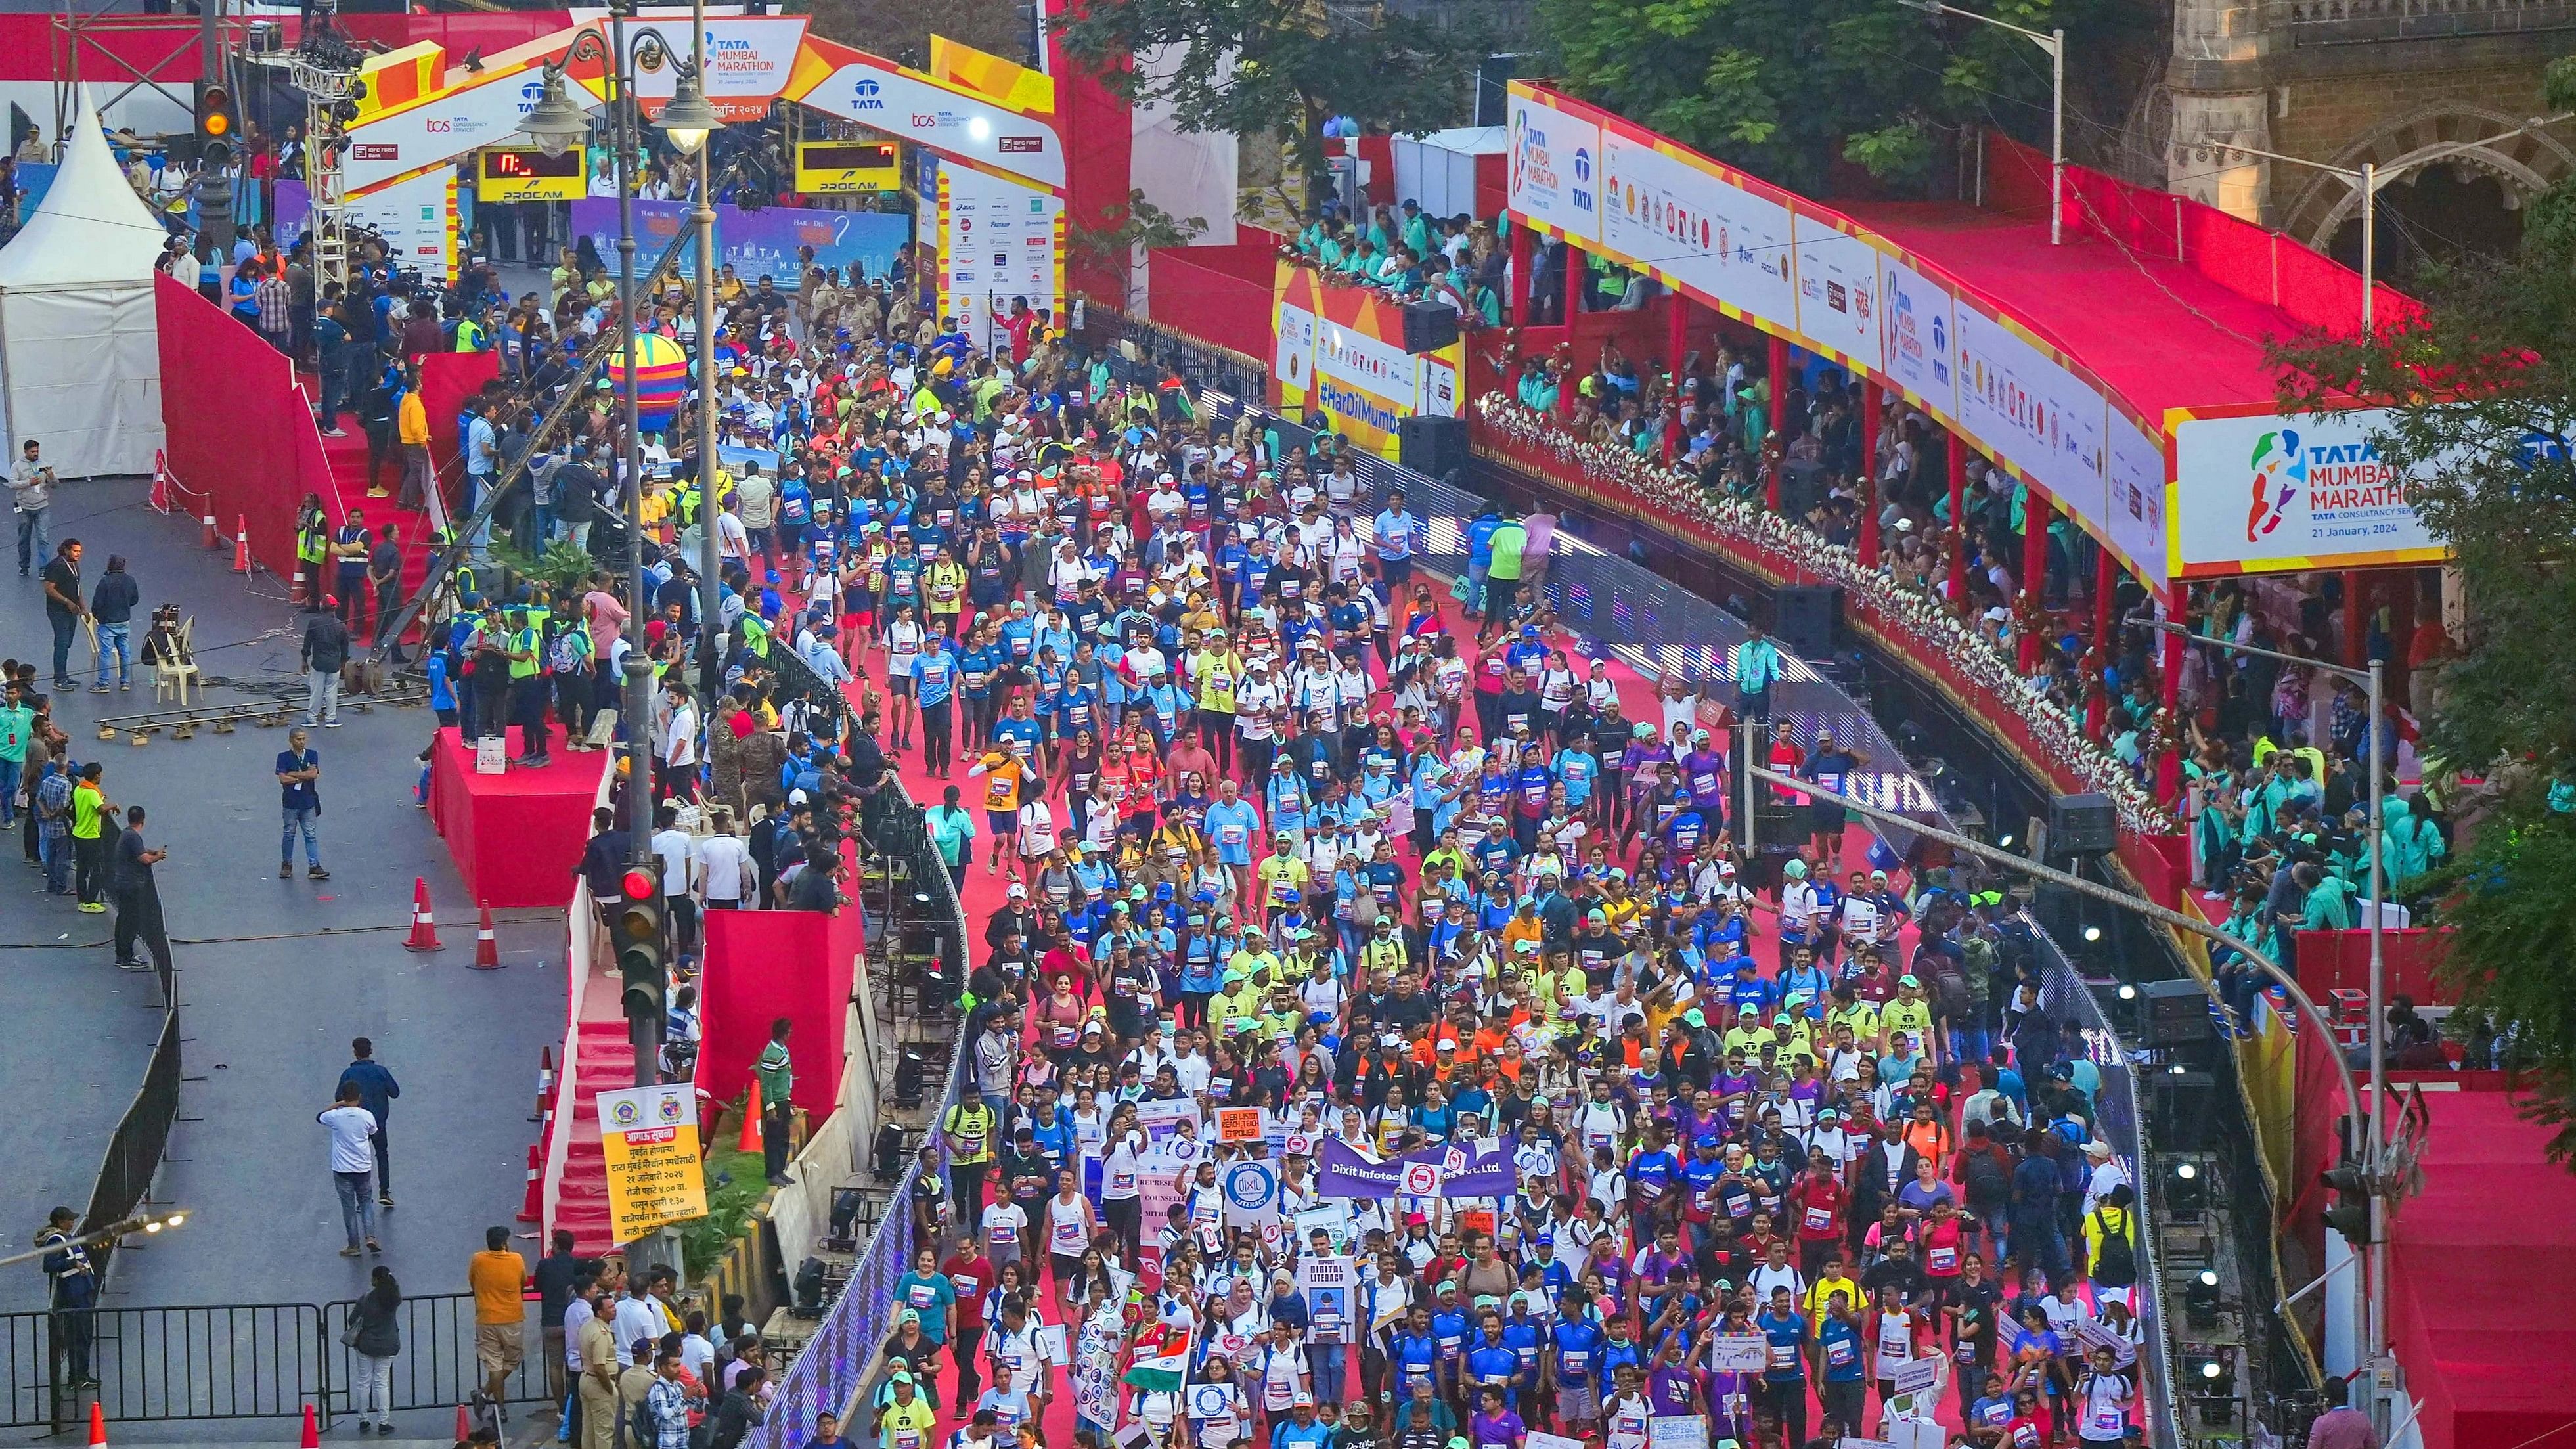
(1000, 243)
(1339, 350)
(2253, 491)
(485, 111)
(911, 107)
(1554, 159)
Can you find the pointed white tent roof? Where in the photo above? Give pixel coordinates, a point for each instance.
(91, 228)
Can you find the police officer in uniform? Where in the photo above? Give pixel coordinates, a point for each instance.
(72, 1295)
(312, 547)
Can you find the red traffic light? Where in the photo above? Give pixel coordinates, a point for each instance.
(639, 885)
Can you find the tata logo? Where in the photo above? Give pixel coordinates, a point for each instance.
(529, 94)
(866, 90)
(1582, 163)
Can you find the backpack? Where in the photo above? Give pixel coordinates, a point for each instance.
(2115, 1263)
(1987, 1181)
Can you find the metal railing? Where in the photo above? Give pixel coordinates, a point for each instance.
(828, 1374)
(2119, 1120)
(134, 1149)
(242, 1361)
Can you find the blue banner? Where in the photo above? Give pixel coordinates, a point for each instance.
(759, 243)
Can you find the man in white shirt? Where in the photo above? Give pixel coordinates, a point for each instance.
(353, 1168)
(724, 872)
(679, 746)
(676, 849)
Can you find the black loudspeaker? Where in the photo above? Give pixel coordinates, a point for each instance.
(1429, 326)
(1432, 447)
(1808, 619)
(2082, 825)
(2172, 1013)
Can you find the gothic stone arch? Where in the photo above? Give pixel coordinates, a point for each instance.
(2528, 163)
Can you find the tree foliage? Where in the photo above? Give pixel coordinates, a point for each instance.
(1280, 67)
(2481, 386)
(1785, 87)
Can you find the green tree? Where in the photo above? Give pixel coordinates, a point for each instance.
(2481, 386)
(1281, 67)
(1784, 88)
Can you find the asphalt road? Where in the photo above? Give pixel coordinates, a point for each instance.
(275, 977)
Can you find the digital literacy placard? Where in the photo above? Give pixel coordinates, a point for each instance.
(648, 1138)
(2256, 492)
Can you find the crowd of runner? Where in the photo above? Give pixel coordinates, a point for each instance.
(1287, 831)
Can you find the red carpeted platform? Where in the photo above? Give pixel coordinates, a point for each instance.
(515, 837)
(2483, 1265)
(762, 965)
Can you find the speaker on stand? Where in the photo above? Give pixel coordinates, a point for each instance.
(1429, 326)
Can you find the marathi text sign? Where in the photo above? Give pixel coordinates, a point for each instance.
(648, 1137)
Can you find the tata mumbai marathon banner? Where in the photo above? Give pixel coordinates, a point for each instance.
(1339, 350)
(1783, 263)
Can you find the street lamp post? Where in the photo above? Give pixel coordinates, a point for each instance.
(558, 125)
(2369, 177)
(2054, 42)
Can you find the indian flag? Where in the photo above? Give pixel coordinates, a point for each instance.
(1161, 1358)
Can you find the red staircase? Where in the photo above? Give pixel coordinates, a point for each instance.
(347, 456)
(603, 1059)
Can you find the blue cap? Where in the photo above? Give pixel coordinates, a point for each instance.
(1163, 892)
(1706, 1139)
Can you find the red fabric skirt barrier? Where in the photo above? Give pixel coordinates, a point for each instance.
(2332, 959)
(447, 379)
(243, 444)
(515, 837)
(763, 965)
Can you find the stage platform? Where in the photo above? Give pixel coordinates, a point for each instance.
(515, 837)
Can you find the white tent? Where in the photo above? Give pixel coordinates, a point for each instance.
(80, 359)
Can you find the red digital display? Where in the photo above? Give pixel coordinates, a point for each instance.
(530, 165)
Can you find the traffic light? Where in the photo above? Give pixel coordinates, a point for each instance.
(2350, 1214)
(215, 138)
(636, 929)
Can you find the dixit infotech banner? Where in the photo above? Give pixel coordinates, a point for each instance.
(1339, 350)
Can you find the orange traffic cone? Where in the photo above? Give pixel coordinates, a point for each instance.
(312, 1429)
(545, 1085)
(214, 540)
(160, 482)
(750, 1139)
(97, 1425)
(424, 931)
(464, 1426)
(487, 947)
(532, 1206)
(241, 543)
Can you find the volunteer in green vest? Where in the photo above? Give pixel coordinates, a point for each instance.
(312, 547)
(969, 1128)
(528, 687)
(90, 809)
(777, 1078)
(1502, 576)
